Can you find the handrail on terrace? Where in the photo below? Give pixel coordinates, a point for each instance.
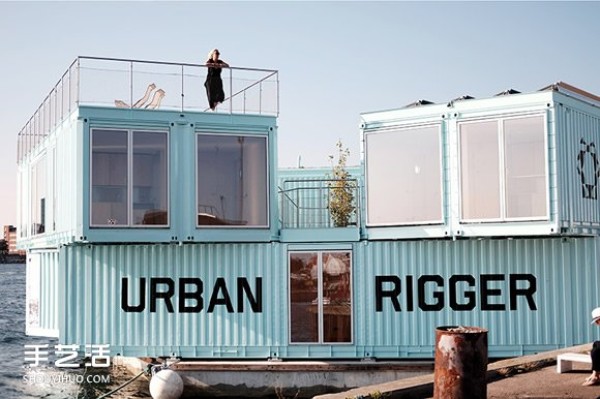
(305, 203)
(116, 82)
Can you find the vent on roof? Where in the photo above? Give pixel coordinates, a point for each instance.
(552, 87)
(508, 92)
(461, 98)
(418, 103)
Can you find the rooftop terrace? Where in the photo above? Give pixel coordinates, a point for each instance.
(150, 85)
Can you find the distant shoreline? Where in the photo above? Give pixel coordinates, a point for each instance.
(12, 259)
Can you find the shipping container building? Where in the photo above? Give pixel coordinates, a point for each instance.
(159, 227)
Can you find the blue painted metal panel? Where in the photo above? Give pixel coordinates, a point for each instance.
(43, 293)
(450, 116)
(94, 299)
(182, 129)
(67, 149)
(566, 273)
(578, 159)
(532, 295)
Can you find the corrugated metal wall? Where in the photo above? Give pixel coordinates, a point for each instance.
(43, 293)
(49, 301)
(578, 148)
(94, 311)
(565, 271)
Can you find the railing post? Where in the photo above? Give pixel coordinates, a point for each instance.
(131, 84)
(182, 89)
(260, 98)
(297, 208)
(78, 88)
(68, 74)
(59, 100)
(282, 208)
(230, 91)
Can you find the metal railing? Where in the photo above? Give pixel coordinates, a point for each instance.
(307, 204)
(123, 83)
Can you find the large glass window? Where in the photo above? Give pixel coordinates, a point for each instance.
(109, 177)
(149, 178)
(232, 181)
(503, 169)
(480, 185)
(129, 178)
(320, 297)
(525, 156)
(39, 178)
(404, 176)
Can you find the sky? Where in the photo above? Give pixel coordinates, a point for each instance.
(336, 60)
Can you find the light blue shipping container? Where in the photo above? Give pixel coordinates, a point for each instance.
(532, 294)
(167, 229)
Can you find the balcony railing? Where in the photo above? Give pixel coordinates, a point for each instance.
(121, 83)
(307, 204)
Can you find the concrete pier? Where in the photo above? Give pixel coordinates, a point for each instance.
(300, 379)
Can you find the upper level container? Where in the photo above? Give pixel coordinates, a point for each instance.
(127, 151)
(511, 165)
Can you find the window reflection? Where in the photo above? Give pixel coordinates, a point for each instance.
(304, 297)
(480, 173)
(124, 197)
(336, 297)
(503, 169)
(404, 176)
(526, 167)
(232, 180)
(109, 177)
(150, 178)
(320, 297)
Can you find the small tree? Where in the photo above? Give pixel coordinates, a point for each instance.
(341, 189)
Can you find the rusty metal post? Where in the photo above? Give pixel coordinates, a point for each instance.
(460, 363)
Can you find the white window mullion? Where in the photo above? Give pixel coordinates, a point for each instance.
(502, 170)
(320, 295)
(129, 178)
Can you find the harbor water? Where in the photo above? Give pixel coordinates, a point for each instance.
(20, 380)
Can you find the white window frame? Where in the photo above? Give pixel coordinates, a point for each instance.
(441, 182)
(500, 120)
(267, 185)
(320, 322)
(130, 224)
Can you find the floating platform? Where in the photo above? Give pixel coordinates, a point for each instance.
(275, 378)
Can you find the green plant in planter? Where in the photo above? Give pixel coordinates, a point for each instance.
(341, 189)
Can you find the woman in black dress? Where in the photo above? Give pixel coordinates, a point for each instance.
(213, 83)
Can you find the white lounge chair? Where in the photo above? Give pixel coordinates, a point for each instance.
(121, 104)
(140, 103)
(156, 99)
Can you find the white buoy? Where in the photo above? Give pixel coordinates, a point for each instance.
(166, 384)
